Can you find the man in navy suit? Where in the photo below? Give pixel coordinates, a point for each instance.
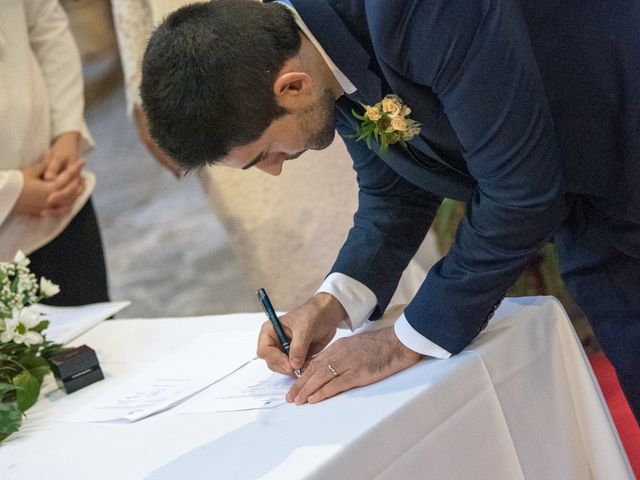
(529, 114)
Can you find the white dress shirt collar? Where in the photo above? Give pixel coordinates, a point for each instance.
(344, 82)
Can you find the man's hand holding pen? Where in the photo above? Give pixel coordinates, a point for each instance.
(348, 363)
(310, 328)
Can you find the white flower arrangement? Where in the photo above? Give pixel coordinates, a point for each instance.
(18, 329)
(24, 349)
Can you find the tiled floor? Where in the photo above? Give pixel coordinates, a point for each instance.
(166, 251)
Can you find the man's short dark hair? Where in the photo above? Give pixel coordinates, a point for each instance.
(208, 74)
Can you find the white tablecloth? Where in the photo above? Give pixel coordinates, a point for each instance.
(520, 402)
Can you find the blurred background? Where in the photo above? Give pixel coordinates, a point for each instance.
(166, 251)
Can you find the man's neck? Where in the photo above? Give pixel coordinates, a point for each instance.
(343, 83)
(311, 57)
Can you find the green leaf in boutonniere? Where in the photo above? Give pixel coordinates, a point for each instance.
(387, 122)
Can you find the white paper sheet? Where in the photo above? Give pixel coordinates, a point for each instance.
(251, 387)
(67, 323)
(170, 380)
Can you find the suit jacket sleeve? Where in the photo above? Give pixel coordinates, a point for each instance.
(59, 60)
(476, 56)
(392, 219)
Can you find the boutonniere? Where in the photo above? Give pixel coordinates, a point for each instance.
(387, 122)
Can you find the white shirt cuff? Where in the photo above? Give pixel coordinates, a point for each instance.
(410, 338)
(355, 297)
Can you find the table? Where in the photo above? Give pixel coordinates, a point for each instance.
(521, 402)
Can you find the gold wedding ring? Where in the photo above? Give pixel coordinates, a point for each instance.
(333, 370)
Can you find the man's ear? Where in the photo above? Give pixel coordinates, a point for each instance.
(291, 87)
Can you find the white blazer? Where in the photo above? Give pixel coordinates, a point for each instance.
(41, 97)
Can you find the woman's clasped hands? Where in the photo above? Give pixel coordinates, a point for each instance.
(53, 184)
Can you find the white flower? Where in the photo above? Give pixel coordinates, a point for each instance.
(21, 259)
(17, 328)
(48, 288)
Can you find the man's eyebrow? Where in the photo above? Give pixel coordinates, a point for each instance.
(254, 161)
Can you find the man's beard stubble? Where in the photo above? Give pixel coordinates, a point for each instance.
(320, 122)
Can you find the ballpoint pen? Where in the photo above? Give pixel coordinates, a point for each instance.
(273, 318)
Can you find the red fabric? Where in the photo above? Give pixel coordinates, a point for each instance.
(623, 418)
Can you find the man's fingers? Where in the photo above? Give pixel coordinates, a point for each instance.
(270, 350)
(276, 360)
(279, 366)
(299, 349)
(339, 384)
(313, 381)
(319, 372)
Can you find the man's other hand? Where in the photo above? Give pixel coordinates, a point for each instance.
(352, 362)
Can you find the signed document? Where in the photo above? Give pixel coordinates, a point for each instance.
(251, 387)
(169, 381)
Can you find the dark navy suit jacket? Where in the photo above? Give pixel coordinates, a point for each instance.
(486, 80)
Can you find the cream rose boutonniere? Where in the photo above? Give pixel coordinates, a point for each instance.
(387, 122)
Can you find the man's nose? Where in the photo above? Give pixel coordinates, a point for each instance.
(272, 165)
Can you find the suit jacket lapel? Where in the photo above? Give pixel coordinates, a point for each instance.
(351, 57)
(441, 179)
(361, 68)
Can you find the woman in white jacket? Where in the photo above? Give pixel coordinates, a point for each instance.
(45, 209)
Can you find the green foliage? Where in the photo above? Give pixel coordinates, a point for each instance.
(24, 349)
(22, 372)
(37, 366)
(28, 389)
(6, 388)
(10, 414)
(10, 419)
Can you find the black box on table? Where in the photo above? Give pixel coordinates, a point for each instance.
(76, 368)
